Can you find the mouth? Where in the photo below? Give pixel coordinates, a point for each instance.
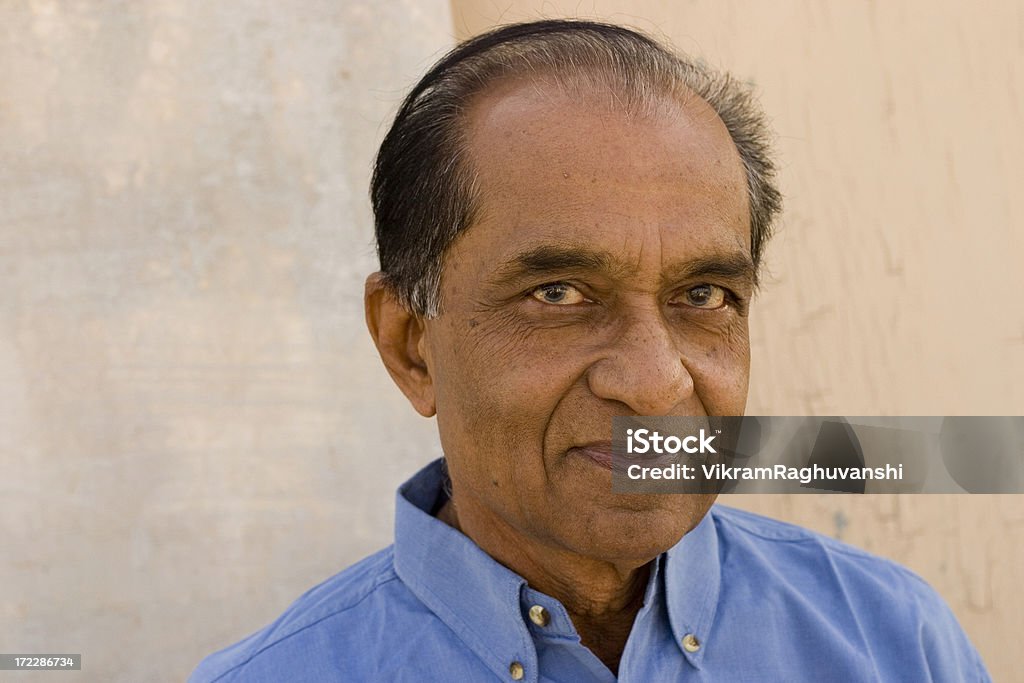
(598, 452)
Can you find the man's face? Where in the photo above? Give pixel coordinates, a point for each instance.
(608, 273)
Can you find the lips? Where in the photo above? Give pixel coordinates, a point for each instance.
(599, 452)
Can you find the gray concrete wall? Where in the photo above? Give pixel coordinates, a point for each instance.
(194, 427)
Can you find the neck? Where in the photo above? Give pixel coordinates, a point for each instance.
(602, 597)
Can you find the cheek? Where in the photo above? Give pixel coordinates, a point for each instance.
(720, 368)
(496, 382)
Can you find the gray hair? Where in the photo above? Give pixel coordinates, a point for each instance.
(425, 193)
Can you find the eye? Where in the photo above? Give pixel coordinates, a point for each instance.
(705, 296)
(558, 294)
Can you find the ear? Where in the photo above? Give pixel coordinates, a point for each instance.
(398, 334)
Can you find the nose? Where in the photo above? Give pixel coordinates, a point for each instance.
(644, 368)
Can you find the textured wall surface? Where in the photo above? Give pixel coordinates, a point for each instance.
(895, 282)
(194, 427)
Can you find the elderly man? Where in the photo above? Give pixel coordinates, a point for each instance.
(570, 220)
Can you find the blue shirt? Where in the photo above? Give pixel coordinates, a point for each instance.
(739, 598)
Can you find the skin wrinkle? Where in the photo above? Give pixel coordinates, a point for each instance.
(734, 269)
(515, 392)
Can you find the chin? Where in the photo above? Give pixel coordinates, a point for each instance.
(637, 536)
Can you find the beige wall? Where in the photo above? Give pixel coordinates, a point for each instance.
(194, 427)
(896, 282)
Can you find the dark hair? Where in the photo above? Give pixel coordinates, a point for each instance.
(424, 191)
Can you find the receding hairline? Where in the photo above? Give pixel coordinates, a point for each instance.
(423, 154)
(597, 86)
(680, 102)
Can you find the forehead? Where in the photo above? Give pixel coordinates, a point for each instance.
(558, 166)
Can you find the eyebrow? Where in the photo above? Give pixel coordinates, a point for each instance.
(548, 260)
(736, 266)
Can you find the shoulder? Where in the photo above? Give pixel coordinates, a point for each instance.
(324, 613)
(755, 540)
(821, 581)
(813, 562)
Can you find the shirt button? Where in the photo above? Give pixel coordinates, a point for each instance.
(515, 669)
(690, 643)
(539, 616)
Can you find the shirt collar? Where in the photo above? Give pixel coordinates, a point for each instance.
(475, 596)
(485, 603)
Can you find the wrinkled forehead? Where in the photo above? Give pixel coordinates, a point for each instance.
(552, 162)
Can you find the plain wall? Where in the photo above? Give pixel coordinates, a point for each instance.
(194, 426)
